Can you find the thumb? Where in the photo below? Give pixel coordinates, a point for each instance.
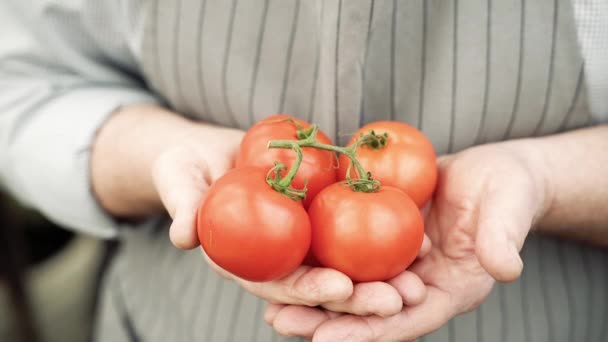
(183, 233)
(505, 218)
(181, 184)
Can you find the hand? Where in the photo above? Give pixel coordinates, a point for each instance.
(183, 173)
(485, 204)
(146, 159)
(309, 287)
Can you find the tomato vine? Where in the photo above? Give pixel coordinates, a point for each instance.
(308, 138)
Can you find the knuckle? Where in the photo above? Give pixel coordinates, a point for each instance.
(307, 290)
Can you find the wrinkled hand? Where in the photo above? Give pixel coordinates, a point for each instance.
(182, 176)
(485, 204)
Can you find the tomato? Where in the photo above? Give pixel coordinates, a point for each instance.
(318, 166)
(311, 260)
(367, 236)
(249, 229)
(407, 161)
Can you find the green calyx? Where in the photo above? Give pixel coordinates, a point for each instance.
(373, 140)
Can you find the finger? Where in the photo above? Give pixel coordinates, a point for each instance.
(426, 247)
(424, 211)
(409, 324)
(271, 312)
(410, 288)
(333, 314)
(296, 320)
(443, 159)
(374, 298)
(220, 271)
(219, 167)
(310, 286)
(175, 174)
(182, 232)
(180, 185)
(505, 217)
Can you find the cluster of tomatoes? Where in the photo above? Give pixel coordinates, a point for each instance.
(253, 230)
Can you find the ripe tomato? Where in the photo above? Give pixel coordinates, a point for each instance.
(318, 166)
(367, 236)
(249, 229)
(407, 161)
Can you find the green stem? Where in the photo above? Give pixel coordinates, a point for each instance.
(282, 186)
(286, 182)
(304, 133)
(351, 154)
(364, 183)
(301, 132)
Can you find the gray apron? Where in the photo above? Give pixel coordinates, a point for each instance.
(465, 72)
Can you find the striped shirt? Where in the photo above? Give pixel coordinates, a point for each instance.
(466, 72)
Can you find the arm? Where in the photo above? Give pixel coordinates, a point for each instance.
(146, 159)
(130, 143)
(52, 101)
(576, 164)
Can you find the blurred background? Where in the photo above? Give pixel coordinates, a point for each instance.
(48, 278)
(47, 274)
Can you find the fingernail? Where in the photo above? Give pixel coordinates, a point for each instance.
(337, 288)
(516, 257)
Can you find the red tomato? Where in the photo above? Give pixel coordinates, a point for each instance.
(249, 229)
(367, 236)
(318, 166)
(408, 160)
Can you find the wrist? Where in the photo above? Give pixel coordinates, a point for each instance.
(124, 153)
(532, 153)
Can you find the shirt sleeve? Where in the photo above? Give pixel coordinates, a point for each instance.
(592, 26)
(56, 90)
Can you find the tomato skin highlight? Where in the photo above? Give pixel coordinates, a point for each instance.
(408, 161)
(250, 230)
(367, 236)
(318, 169)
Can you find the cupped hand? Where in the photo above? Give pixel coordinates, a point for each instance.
(183, 174)
(486, 201)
